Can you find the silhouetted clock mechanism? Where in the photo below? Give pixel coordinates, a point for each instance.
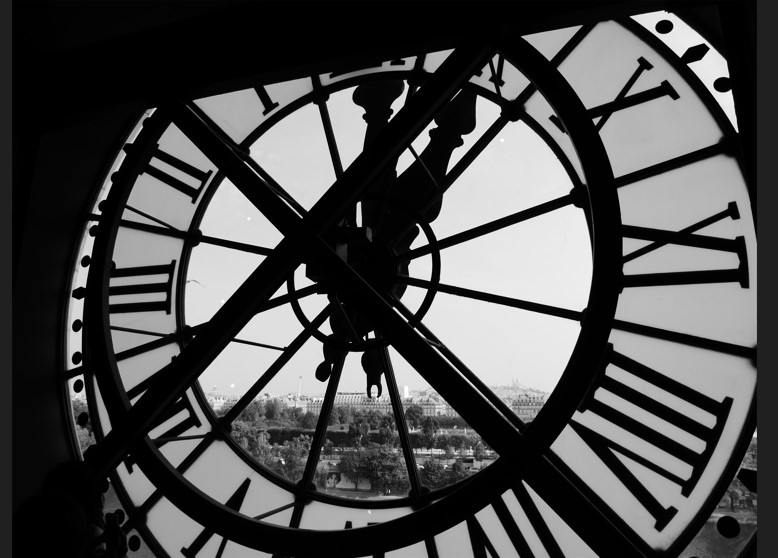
(566, 205)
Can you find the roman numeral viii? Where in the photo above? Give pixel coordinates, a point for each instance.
(662, 402)
(151, 284)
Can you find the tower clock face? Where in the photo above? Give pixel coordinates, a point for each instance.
(266, 267)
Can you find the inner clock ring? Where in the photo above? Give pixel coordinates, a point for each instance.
(385, 268)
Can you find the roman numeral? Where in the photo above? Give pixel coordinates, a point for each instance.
(479, 540)
(193, 174)
(624, 101)
(495, 70)
(151, 287)
(480, 536)
(686, 237)
(267, 103)
(234, 503)
(662, 406)
(178, 425)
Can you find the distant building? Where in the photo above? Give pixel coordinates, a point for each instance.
(353, 399)
(528, 405)
(218, 400)
(430, 405)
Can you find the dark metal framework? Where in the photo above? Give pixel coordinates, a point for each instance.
(303, 235)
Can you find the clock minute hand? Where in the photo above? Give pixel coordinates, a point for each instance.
(418, 186)
(386, 204)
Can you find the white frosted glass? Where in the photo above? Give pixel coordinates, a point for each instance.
(163, 515)
(140, 248)
(454, 542)
(286, 92)
(646, 133)
(549, 43)
(433, 60)
(569, 542)
(219, 471)
(136, 369)
(158, 199)
(102, 411)
(523, 523)
(321, 516)
(418, 550)
(239, 113)
(495, 532)
(139, 488)
(395, 65)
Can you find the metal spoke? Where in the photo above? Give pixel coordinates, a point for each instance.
(258, 344)
(288, 297)
(318, 438)
(495, 299)
(326, 122)
(400, 423)
(197, 237)
(487, 228)
(274, 368)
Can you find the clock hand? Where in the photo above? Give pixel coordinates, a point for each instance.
(416, 189)
(376, 98)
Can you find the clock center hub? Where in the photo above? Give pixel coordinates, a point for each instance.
(372, 259)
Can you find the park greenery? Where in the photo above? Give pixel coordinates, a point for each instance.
(364, 446)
